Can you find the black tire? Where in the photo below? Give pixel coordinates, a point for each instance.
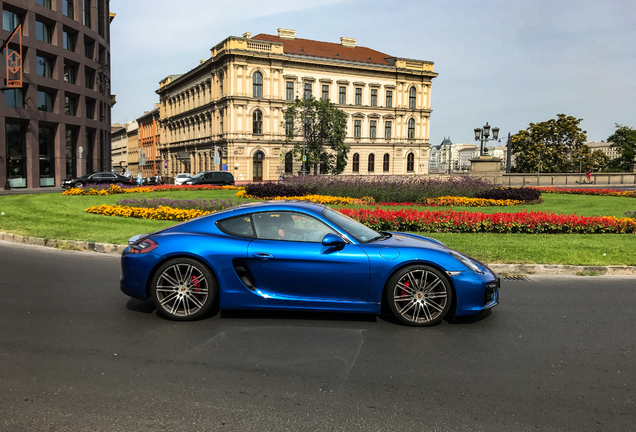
(119, 184)
(183, 289)
(418, 295)
(78, 184)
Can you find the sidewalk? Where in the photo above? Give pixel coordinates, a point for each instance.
(24, 191)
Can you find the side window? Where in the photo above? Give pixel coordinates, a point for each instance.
(239, 226)
(290, 227)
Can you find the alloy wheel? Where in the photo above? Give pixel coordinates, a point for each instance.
(420, 296)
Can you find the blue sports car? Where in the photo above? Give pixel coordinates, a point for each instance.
(302, 256)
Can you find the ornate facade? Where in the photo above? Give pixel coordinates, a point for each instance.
(233, 103)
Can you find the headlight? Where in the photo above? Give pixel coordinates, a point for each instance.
(466, 261)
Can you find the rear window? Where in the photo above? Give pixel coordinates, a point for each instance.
(239, 226)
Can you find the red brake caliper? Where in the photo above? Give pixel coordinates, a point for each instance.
(196, 283)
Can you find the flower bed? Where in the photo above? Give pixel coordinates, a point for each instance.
(450, 201)
(159, 213)
(112, 190)
(582, 191)
(192, 204)
(471, 222)
(322, 199)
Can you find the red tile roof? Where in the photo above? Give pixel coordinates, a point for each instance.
(328, 50)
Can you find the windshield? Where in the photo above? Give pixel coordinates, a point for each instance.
(354, 228)
(183, 176)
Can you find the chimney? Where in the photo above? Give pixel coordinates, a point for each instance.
(247, 35)
(286, 33)
(348, 42)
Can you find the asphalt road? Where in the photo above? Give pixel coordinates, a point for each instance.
(77, 355)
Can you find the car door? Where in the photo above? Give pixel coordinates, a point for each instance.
(299, 267)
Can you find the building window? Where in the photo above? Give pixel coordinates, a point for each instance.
(10, 20)
(357, 128)
(257, 122)
(385, 163)
(45, 3)
(67, 8)
(411, 129)
(15, 139)
(70, 105)
(70, 73)
(89, 78)
(45, 101)
(342, 95)
(69, 40)
(90, 108)
(374, 97)
(389, 98)
(410, 162)
(87, 13)
(71, 152)
(257, 85)
(371, 163)
(44, 67)
(387, 129)
(46, 139)
(325, 92)
(356, 162)
(412, 93)
(289, 127)
(372, 128)
(358, 96)
(43, 32)
(289, 90)
(289, 163)
(89, 48)
(308, 91)
(14, 98)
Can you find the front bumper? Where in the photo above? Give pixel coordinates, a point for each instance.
(476, 292)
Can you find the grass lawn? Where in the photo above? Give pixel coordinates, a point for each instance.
(53, 216)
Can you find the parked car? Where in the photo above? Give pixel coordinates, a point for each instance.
(182, 178)
(212, 178)
(98, 178)
(151, 181)
(302, 256)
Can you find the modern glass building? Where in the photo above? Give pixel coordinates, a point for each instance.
(57, 124)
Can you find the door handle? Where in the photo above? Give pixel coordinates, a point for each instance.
(262, 255)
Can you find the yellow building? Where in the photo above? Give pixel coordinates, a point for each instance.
(233, 103)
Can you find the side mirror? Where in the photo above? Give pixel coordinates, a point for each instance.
(332, 240)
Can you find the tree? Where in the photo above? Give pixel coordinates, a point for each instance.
(324, 128)
(556, 142)
(624, 141)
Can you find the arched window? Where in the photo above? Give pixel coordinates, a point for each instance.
(412, 93)
(371, 163)
(356, 162)
(411, 128)
(289, 163)
(410, 162)
(385, 163)
(257, 85)
(257, 122)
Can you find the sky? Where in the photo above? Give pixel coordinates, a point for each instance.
(508, 63)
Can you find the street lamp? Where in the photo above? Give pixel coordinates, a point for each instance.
(482, 134)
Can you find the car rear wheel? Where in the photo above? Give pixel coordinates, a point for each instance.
(183, 289)
(419, 295)
(119, 183)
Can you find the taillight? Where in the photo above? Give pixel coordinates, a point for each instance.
(143, 246)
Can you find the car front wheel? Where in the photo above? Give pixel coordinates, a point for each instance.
(78, 184)
(183, 289)
(419, 295)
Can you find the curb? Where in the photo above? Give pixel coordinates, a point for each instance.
(516, 269)
(64, 244)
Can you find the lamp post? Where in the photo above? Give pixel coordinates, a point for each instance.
(482, 134)
(450, 158)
